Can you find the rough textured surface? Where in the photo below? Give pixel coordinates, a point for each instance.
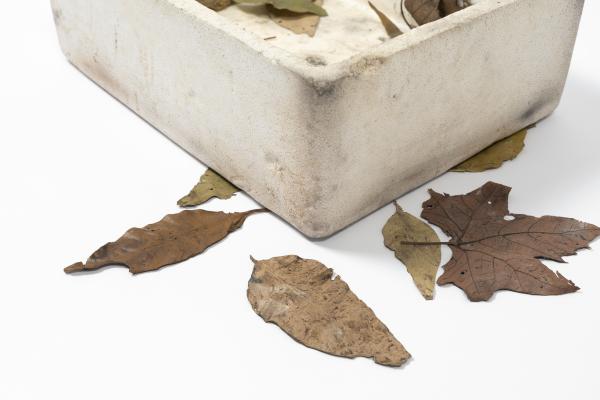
(493, 249)
(422, 262)
(173, 239)
(320, 311)
(347, 136)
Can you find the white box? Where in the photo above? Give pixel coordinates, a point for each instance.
(324, 145)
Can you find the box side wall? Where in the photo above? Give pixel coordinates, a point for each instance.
(398, 121)
(226, 103)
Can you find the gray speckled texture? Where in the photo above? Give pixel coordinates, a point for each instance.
(324, 145)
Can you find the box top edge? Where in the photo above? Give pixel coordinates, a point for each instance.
(350, 66)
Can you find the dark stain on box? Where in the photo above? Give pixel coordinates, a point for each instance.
(317, 61)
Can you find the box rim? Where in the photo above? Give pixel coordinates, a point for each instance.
(348, 66)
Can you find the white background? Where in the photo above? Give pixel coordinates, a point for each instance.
(78, 169)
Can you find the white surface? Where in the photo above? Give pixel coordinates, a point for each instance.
(323, 146)
(78, 169)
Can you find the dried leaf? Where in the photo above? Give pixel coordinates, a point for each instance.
(391, 28)
(495, 155)
(423, 11)
(448, 7)
(173, 239)
(216, 5)
(318, 310)
(297, 6)
(298, 23)
(422, 262)
(494, 250)
(211, 185)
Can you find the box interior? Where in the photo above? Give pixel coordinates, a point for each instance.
(350, 28)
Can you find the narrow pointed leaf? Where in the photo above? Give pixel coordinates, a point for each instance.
(320, 311)
(390, 27)
(422, 262)
(173, 239)
(211, 185)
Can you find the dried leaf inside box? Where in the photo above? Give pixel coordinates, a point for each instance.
(325, 130)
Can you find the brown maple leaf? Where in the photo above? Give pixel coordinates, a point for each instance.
(494, 250)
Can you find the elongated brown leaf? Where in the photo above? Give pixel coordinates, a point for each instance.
(495, 155)
(298, 23)
(173, 239)
(320, 311)
(422, 262)
(494, 250)
(211, 185)
(390, 27)
(297, 6)
(216, 5)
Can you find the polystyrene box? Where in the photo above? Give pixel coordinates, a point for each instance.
(324, 143)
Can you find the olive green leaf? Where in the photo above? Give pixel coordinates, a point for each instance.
(298, 23)
(390, 27)
(297, 6)
(421, 261)
(495, 155)
(211, 185)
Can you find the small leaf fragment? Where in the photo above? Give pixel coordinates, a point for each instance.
(495, 155)
(297, 6)
(390, 27)
(211, 185)
(173, 239)
(422, 262)
(320, 311)
(494, 250)
(298, 23)
(216, 5)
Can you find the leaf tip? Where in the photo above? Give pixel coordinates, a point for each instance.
(77, 267)
(573, 286)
